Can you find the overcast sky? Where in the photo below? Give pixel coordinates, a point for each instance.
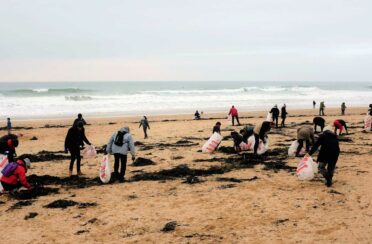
(120, 40)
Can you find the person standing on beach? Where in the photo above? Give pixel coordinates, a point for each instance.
(234, 114)
(340, 124)
(197, 115)
(260, 132)
(343, 108)
(304, 134)
(321, 108)
(75, 139)
(80, 118)
(314, 103)
(217, 128)
(145, 125)
(283, 115)
(119, 144)
(328, 154)
(275, 114)
(9, 126)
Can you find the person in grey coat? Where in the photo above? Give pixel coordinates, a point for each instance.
(145, 125)
(119, 144)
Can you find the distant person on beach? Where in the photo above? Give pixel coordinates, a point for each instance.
(340, 124)
(217, 128)
(275, 114)
(74, 141)
(319, 121)
(314, 104)
(145, 125)
(343, 108)
(80, 118)
(197, 115)
(321, 108)
(8, 144)
(304, 134)
(16, 177)
(260, 132)
(9, 126)
(283, 114)
(370, 110)
(119, 144)
(328, 154)
(234, 114)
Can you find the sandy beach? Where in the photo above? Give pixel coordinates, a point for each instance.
(213, 198)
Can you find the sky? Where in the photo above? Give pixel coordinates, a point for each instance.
(188, 40)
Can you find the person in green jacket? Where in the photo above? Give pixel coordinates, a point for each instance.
(321, 108)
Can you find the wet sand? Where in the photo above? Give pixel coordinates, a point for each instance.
(185, 196)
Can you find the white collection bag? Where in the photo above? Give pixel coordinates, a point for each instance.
(305, 169)
(105, 169)
(212, 143)
(262, 147)
(367, 122)
(3, 163)
(89, 152)
(269, 117)
(293, 148)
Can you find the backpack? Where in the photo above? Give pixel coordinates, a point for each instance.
(9, 169)
(119, 139)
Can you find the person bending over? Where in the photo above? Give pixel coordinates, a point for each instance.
(17, 176)
(304, 134)
(339, 124)
(318, 121)
(260, 132)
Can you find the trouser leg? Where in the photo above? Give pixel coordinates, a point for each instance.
(300, 145)
(145, 131)
(72, 161)
(116, 164)
(233, 119)
(237, 119)
(123, 159)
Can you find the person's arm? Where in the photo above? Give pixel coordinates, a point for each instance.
(68, 139)
(140, 124)
(109, 144)
(22, 177)
(84, 122)
(148, 125)
(316, 145)
(229, 112)
(132, 147)
(85, 139)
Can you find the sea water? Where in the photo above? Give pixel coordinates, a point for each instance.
(63, 99)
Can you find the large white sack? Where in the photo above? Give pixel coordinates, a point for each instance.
(88, 152)
(293, 148)
(105, 169)
(262, 147)
(305, 169)
(367, 122)
(3, 163)
(212, 143)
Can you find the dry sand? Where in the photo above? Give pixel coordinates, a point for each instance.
(268, 205)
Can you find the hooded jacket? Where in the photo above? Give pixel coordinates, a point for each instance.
(18, 176)
(128, 144)
(75, 138)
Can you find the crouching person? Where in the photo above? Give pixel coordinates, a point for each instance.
(14, 175)
(304, 134)
(328, 154)
(260, 132)
(119, 144)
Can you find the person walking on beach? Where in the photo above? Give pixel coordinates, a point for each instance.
(80, 118)
(260, 132)
(343, 108)
(74, 141)
(9, 126)
(17, 175)
(340, 124)
(321, 108)
(234, 114)
(304, 134)
(217, 128)
(119, 144)
(275, 115)
(283, 115)
(319, 121)
(328, 154)
(314, 103)
(145, 125)
(8, 144)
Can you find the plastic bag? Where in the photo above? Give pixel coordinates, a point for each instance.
(89, 152)
(229, 120)
(1, 188)
(262, 147)
(305, 169)
(367, 122)
(293, 148)
(105, 169)
(269, 117)
(212, 143)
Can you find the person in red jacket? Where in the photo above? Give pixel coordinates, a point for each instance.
(340, 124)
(234, 114)
(18, 178)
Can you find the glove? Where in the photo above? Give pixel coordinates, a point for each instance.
(133, 158)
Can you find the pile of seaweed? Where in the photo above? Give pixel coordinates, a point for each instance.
(70, 182)
(43, 156)
(61, 203)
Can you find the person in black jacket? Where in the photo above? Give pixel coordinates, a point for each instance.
(319, 121)
(75, 139)
(8, 144)
(328, 154)
(283, 115)
(217, 128)
(80, 118)
(275, 113)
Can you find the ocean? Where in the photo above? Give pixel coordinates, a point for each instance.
(63, 99)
